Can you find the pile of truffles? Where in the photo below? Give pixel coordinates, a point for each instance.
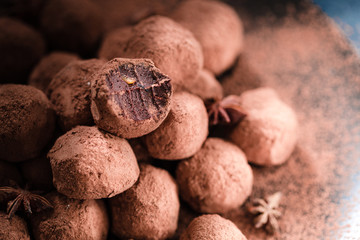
(89, 108)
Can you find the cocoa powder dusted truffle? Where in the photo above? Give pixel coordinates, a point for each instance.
(71, 219)
(216, 179)
(130, 97)
(27, 122)
(212, 227)
(48, 67)
(183, 131)
(90, 164)
(14, 228)
(114, 43)
(21, 47)
(72, 25)
(268, 133)
(217, 27)
(149, 209)
(69, 92)
(173, 48)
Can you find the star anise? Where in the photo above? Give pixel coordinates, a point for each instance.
(225, 111)
(29, 200)
(266, 211)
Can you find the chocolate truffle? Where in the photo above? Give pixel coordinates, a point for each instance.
(69, 92)
(205, 86)
(212, 227)
(27, 122)
(48, 67)
(37, 173)
(114, 43)
(217, 27)
(149, 209)
(71, 219)
(14, 228)
(130, 97)
(183, 131)
(72, 25)
(21, 47)
(268, 133)
(216, 179)
(173, 48)
(90, 164)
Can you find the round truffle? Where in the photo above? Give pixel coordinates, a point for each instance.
(71, 219)
(206, 86)
(14, 228)
(74, 26)
(90, 164)
(183, 131)
(212, 227)
(48, 67)
(173, 48)
(216, 179)
(27, 122)
(217, 27)
(149, 209)
(269, 132)
(114, 43)
(21, 47)
(130, 97)
(69, 92)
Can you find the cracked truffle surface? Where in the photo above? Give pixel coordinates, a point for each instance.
(90, 164)
(212, 227)
(27, 122)
(269, 132)
(130, 97)
(149, 209)
(183, 131)
(216, 179)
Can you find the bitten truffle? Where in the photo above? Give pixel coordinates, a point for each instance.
(130, 97)
(72, 25)
(183, 131)
(90, 164)
(14, 228)
(217, 27)
(149, 209)
(212, 227)
(27, 122)
(173, 48)
(48, 67)
(71, 219)
(216, 179)
(21, 47)
(69, 92)
(114, 43)
(269, 132)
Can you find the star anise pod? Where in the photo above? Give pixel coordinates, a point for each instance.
(266, 211)
(225, 111)
(29, 200)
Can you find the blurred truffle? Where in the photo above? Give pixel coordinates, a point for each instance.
(114, 43)
(14, 228)
(149, 209)
(27, 122)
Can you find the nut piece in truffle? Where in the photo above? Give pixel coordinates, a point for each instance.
(14, 228)
(130, 97)
(217, 27)
(269, 132)
(212, 227)
(149, 209)
(21, 47)
(71, 219)
(90, 164)
(216, 179)
(183, 131)
(48, 67)
(173, 48)
(69, 92)
(27, 122)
